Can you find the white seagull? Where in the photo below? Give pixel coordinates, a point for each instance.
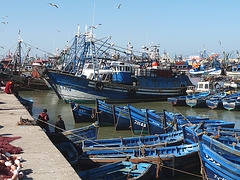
(5, 23)
(53, 5)
(95, 27)
(118, 7)
(4, 17)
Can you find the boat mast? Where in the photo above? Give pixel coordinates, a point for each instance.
(17, 61)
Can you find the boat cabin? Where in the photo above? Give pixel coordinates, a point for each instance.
(105, 74)
(202, 86)
(122, 72)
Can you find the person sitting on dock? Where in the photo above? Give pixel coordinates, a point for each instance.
(59, 125)
(9, 87)
(42, 121)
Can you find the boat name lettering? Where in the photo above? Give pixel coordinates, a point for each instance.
(81, 111)
(140, 123)
(211, 159)
(219, 178)
(66, 88)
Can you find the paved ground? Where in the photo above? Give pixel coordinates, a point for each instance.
(41, 158)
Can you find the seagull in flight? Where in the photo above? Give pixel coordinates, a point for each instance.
(4, 17)
(53, 5)
(5, 23)
(118, 7)
(2, 47)
(95, 27)
(58, 30)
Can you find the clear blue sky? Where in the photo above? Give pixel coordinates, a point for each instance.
(179, 26)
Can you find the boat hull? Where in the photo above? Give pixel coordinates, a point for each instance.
(73, 88)
(216, 166)
(185, 161)
(82, 113)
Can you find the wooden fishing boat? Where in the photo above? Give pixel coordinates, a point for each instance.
(67, 142)
(215, 102)
(108, 115)
(170, 116)
(232, 104)
(78, 135)
(82, 113)
(181, 100)
(146, 123)
(27, 103)
(182, 157)
(177, 101)
(199, 102)
(209, 123)
(215, 166)
(118, 170)
(160, 140)
(194, 134)
(220, 159)
(218, 101)
(180, 120)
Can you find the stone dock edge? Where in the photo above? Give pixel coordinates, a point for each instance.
(41, 159)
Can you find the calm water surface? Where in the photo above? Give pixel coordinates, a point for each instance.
(49, 100)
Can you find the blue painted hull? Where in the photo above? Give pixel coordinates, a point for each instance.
(82, 113)
(28, 104)
(146, 123)
(231, 105)
(177, 101)
(216, 166)
(196, 103)
(161, 140)
(112, 116)
(78, 135)
(70, 87)
(183, 157)
(120, 170)
(214, 103)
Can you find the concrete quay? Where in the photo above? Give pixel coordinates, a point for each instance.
(41, 159)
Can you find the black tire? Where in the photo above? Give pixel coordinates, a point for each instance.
(132, 92)
(99, 86)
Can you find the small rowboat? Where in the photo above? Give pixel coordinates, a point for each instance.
(119, 170)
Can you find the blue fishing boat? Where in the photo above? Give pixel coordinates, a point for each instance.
(111, 80)
(160, 140)
(27, 103)
(209, 65)
(215, 166)
(220, 159)
(82, 113)
(146, 123)
(78, 135)
(67, 142)
(119, 170)
(195, 120)
(181, 100)
(194, 134)
(182, 157)
(108, 115)
(232, 103)
(215, 101)
(197, 101)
